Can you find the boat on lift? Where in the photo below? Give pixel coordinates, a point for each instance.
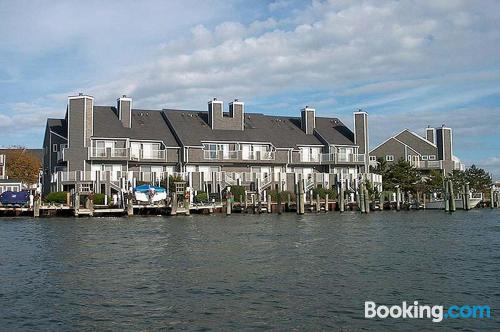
(149, 194)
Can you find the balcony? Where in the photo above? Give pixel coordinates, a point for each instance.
(127, 154)
(238, 155)
(333, 158)
(427, 164)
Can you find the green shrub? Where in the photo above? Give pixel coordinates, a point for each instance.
(201, 197)
(283, 195)
(57, 197)
(332, 194)
(238, 192)
(99, 199)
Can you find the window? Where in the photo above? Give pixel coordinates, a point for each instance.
(389, 157)
(432, 157)
(425, 157)
(62, 146)
(373, 158)
(54, 147)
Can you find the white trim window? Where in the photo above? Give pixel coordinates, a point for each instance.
(425, 157)
(389, 157)
(54, 147)
(373, 158)
(432, 157)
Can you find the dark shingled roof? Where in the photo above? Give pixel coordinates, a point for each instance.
(58, 126)
(283, 132)
(146, 125)
(334, 131)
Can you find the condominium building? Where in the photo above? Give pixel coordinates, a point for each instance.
(434, 151)
(100, 147)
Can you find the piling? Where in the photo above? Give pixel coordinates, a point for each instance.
(268, 203)
(453, 206)
(278, 199)
(36, 206)
(341, 197)
(367, 201)
(289, 202)
(259, 205)
(362, 200)
(382, 199)
(467, 197)
(228, 206)
(326, 203)
(492, 201)
(173, 211)
(300, 197)
(130, 205)
(318, 204)
(446, 196)
(398, 198)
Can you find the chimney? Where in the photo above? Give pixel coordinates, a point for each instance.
(215, 108)
(361, 136)
(308, 120)
(430, 134)
(80, 120)
(234, 120)
(124, 107)
(237, 112)
(444, 143)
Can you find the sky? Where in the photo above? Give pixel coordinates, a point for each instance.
(409, 64)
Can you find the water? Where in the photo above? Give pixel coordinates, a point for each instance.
(246, 272)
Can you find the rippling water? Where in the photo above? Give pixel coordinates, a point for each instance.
(250, 272)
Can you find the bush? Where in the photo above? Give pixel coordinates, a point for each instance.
(283, 195)
(238, 192)
(57, 197)
(99, 199)
(201, 197)
(332, 194)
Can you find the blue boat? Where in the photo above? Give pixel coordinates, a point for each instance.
(15, 198)
(149, 194)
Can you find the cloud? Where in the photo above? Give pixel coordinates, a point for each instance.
(408, 62)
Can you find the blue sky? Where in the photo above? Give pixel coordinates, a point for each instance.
(409, 64)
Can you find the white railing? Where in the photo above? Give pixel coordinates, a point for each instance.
(119, 152)
(424, 164)
(267, 155)
(308, 158)
(98, 152)
(237, 155)
(210, 154)
(2, 159)
(349, 158)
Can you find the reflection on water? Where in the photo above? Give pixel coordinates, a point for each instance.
(310, 272)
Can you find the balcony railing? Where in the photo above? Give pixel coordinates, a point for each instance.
(427, 164)
(238, 155)
(128, 154)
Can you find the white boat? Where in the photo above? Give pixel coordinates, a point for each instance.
(438, 204)
(149, 194)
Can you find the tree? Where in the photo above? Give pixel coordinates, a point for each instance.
(478, 178)
(459, 179)
(403, 174)
(22, 165)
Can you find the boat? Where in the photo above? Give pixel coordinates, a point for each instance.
(438, 204)
(149, 194)
(15, 198)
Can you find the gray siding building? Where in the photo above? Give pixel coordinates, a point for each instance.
(434, 151)
(99, 148)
